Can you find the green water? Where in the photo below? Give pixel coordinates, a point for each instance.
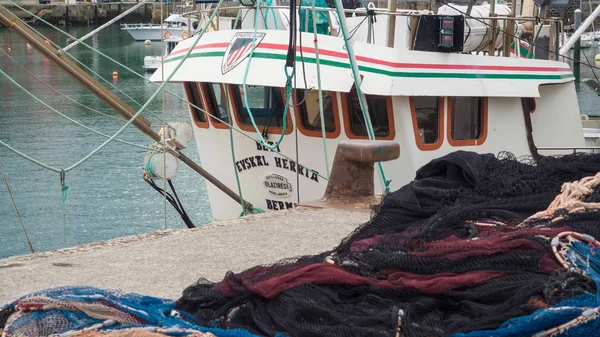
(107, 197)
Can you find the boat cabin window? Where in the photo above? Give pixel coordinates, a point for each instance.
(468, 118)
(310, 115)
(217, 102)
(427, 114)
(265, 103)
(378, 112)
(192, 91)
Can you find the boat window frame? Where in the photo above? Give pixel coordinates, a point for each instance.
(237, 105)
(345, 96)
(209, 108)
(484, 124)
(300, 112)
(195, 117)
(440, 137)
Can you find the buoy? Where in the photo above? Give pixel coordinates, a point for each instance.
(160, 165)
(147, 42)
(597, 58)
(9, 49)
(115, 74)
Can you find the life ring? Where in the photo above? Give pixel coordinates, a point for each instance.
(185, 35)
(167, 35)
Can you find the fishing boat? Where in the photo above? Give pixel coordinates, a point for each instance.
(433, 83)
(174, 25)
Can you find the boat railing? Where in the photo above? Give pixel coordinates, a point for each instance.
(501, 22)
(381, 11)
(574, 149)
(139, 25)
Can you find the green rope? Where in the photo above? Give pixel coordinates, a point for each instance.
(361, 96)
(67, 117)
(237, 18)
(288, 91)
(237, 177)
(133, 118)
(321, 114)
(81, 63)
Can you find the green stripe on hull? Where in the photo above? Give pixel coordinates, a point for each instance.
(393, 73)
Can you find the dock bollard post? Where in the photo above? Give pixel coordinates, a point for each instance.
(352, 174)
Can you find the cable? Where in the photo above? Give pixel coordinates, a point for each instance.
(173, 199)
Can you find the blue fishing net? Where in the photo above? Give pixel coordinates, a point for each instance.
(587, 259)
(63, 309)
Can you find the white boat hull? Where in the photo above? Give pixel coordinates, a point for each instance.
(155, 33)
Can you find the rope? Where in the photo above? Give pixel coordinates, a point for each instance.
(133, 118)
(58, 92)
(572, 198)
(288, 91)
(17, 210)
(237, 177)
(361, 96)
(81, 63)
(321, 114)
(173, 94)
(67, 117)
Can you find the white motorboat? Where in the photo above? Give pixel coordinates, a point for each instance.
(176, 25)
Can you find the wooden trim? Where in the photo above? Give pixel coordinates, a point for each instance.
(484, 126)
(250, 128)
(199, 123)
(203, 92)
(314, 133)
(348, 129)
(440, 140)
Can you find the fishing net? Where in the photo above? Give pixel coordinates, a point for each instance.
(88, 311)
(454, 251)
(476, 245)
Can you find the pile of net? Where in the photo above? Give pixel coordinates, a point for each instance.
(477, 245)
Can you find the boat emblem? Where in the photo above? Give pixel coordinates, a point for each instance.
(239, 48)
(278, 185)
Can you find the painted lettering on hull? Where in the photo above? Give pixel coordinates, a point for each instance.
(250, 162)
(279, 205)
(292, 166)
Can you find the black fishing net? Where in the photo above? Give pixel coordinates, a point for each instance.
(450, 252)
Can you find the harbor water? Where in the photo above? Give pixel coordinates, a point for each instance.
(107, 197)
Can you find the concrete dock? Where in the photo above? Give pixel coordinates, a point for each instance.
(163, 263)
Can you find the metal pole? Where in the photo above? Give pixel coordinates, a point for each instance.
(577, 51)
(391, 26)
(588, 21)
(106, 96)
(97, 30)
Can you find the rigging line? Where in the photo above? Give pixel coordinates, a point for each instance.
(357, 79)
(517, 37)
(17, 210)
(65, 116)
(162, 75)
(60, 93)
(288, 86)
(80, 62)
(131, 120)
(158, 91)
(321, 113)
